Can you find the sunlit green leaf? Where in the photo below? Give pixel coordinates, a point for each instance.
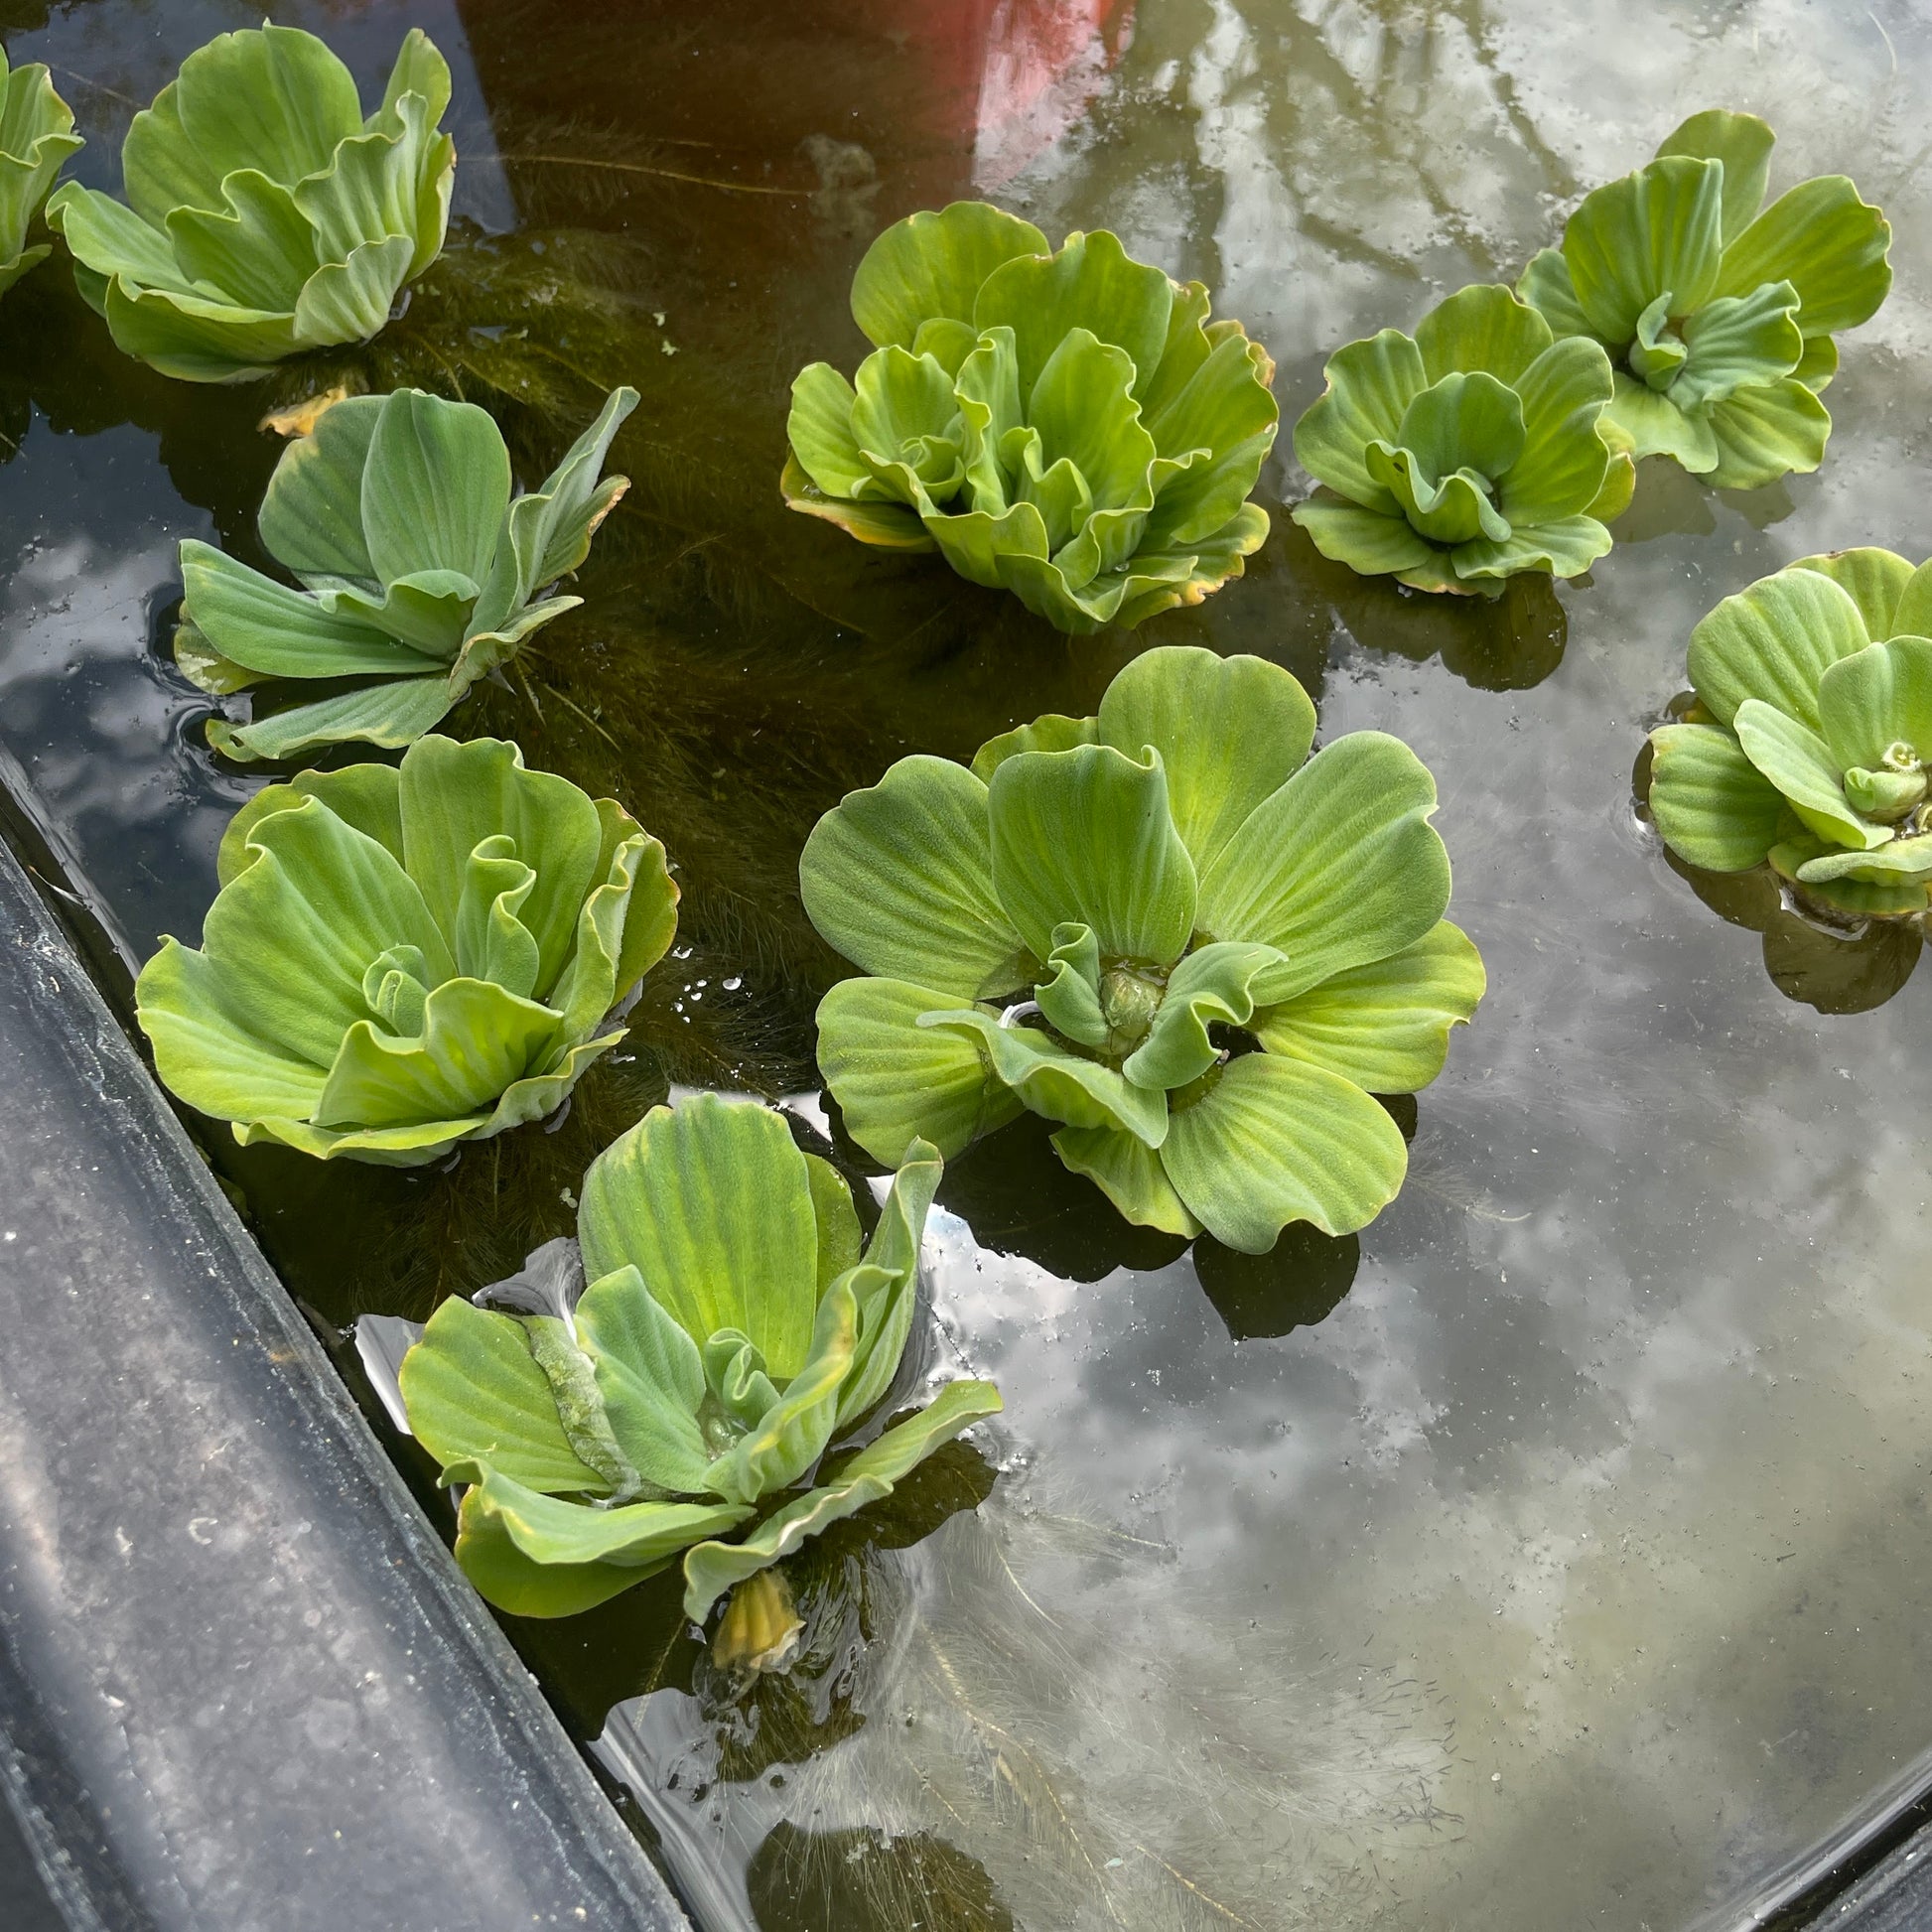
(475, 1394)
(1338, 868)
(931, 266)
(1876, 704)
(1229, 731)
(711, 1205)
(1212, 987)
(896, 1080)
(1741, 342)
(1060, 425)
(1271, 1141)
(326, 939)
(1743, 144)
(542, 1556)
(1774, 641)
(1055, 1081)
(1712, 805)
(656, 1380)
(1371, 385)
(1800, 765)
(1483, 326)
(1719, 318)
(1489, 469)
(36, 137)
(1765, 433)
(266, 215)
(1823, 241)
(1129, 1172)
(1385, 1024)
(1085, 834)
(1317, 915)
(899, 878)
(395, 514)
(1563, 393)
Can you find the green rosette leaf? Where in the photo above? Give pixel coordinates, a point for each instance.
(1196, 901)
(395, 516)
(731, 1332)
(1267, 1140)
(266, 214)
(899, 877)
(1711, 804)
(402, 959)
(36, 139)
(1717, 317)
(1067, 424)
(1476, 450)
(1384, 1024)
(1818, 756)
(898, 1080)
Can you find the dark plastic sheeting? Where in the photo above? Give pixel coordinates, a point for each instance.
(243, 1687)
(1896, 1896)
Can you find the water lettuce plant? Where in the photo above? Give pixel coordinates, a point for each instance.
(1068, 426)
(264, 214)
(36, 136)
(402, 959)
(732, 1329)
(1809, 744)
(1718, 317)
(419, 569)
(1473, 450)
(1167, 929)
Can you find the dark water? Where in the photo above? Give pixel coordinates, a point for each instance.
(1551, 1554)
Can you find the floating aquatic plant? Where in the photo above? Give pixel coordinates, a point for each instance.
(264, 214)
(1719, 318)
(36, 136)
(1474, 450)
(1809, 744)
(1069, 427)
(732, 1329)
(402, 959)
(420, 569)
(1167, 929)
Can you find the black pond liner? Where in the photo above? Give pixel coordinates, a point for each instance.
(242, 1682)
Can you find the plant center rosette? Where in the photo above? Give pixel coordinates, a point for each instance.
(1165, 927)
(399, 960)
(1810, 744)
(1474, 451)
(1069, 427)
(734, 1327)
(1719, 318)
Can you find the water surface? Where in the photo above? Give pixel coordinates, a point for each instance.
(1552, 1553)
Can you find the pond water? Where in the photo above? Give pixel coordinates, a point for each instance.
(1552, 1553)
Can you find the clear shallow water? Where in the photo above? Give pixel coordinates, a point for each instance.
(1551, 1554)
